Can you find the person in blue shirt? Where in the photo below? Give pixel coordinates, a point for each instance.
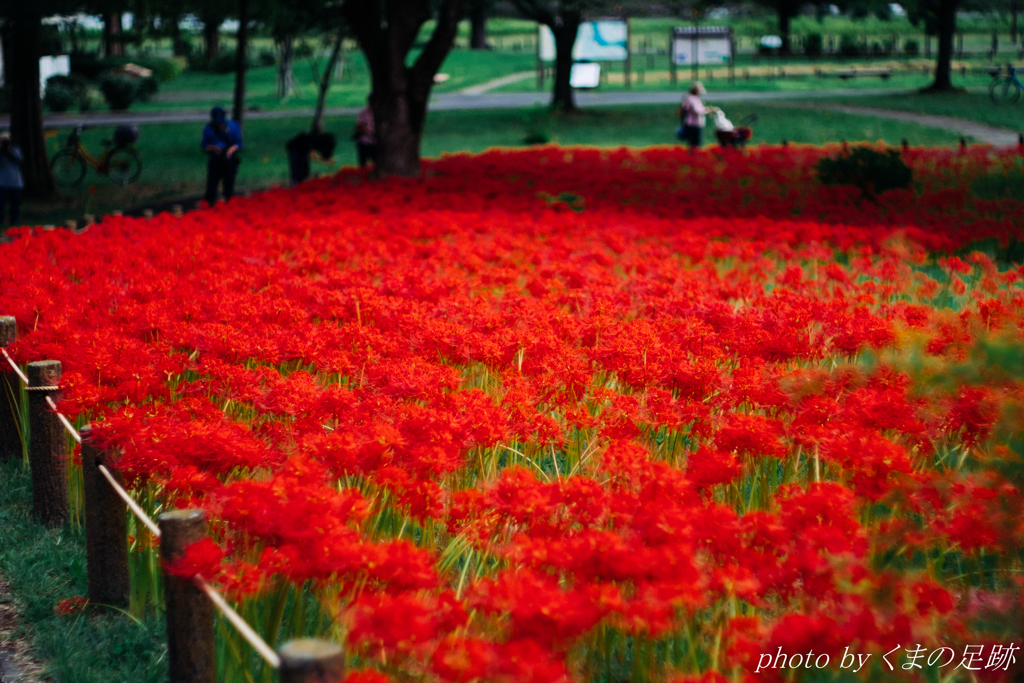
(11, 180)
(222, 140)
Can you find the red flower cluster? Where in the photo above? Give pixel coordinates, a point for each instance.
(568, 413)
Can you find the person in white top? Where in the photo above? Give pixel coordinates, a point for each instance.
(692, 111)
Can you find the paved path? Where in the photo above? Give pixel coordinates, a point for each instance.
(496, 83)
(486, 100)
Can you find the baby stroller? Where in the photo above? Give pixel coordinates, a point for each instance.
(729, 135)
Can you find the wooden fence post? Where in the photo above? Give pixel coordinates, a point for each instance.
(106, 531)
(311, 661)
(10, 395)
(48, 445)
(189, 611)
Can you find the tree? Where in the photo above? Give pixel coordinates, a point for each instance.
(785, 11)
(387, 32)
(563, 17)
(241, 62)
(939, 18)
(477, 10)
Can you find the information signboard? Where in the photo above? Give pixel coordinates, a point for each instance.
(604, 40)
(704, 46)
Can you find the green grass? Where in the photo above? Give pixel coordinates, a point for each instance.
(44, 566)
(174, 167)
(973, 106)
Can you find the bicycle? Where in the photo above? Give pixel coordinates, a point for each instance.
(1009, 93)
(120, 161)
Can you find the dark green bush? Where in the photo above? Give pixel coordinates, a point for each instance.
(849, 46)
(146, 88)
(303, 50)
(267, 58)
(118, 91)
(871, 171)
(911, 48)
(813, 44)
(59, 97)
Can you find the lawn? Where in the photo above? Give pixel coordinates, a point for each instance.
(974, 106)
(174, 167)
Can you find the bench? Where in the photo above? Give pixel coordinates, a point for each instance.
(884, 74)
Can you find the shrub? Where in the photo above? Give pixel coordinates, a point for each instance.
(813, 45)
(872, 171)
(303, 50)
(146, 88)
(267, 58)
(848, 45)
(58, 97)
(911, 48)
(64, 92)
(118, 91)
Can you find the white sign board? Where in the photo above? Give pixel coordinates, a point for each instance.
(596, 41)
(58, 65)
(710, 49)
(585, 75)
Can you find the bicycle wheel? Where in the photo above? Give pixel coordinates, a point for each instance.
(124, 166)
(67, 168)
(1011, 93)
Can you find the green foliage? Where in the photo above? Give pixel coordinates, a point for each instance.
(59, 97)
(911, 48)
(118, 91)
(267, 58)
(45, 566)
(813, 45)
(871, 171)
(848, 45)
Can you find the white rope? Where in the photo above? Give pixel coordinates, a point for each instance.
(247, 632)
(14, 365)
(243, 627)
(139, 512)
(67, 425)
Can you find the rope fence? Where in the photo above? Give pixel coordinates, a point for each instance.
(188, 603)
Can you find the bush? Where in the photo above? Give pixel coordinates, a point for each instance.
(118, 91)
(849, 46)
(60, 88)
(303, 50)
(59, 97)
(146, 88)
(911, 48)
(871, 171)
(267, 58)
(813, 45)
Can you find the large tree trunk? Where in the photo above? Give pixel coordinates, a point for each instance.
(478, 25)
(945, 12)
(785, 48)
(325, 84)
(563, 98)
(241, 62)
(285, 75)
(27, 107)
(112, 34)
(400, 92)
(211, 34)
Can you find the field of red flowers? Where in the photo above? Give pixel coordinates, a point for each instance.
(576, 415)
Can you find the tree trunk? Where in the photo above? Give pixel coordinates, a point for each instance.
(563, 98)
(785, 48)
(325, 84)
(112, 34)
(478, 26)
(400, 92)
(1013, 22)
(285, 75)
(946, 15)
(241, 62)
(211, 34)
(26, 106)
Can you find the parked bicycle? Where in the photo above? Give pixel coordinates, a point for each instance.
(120, 161)
(1006, 90)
